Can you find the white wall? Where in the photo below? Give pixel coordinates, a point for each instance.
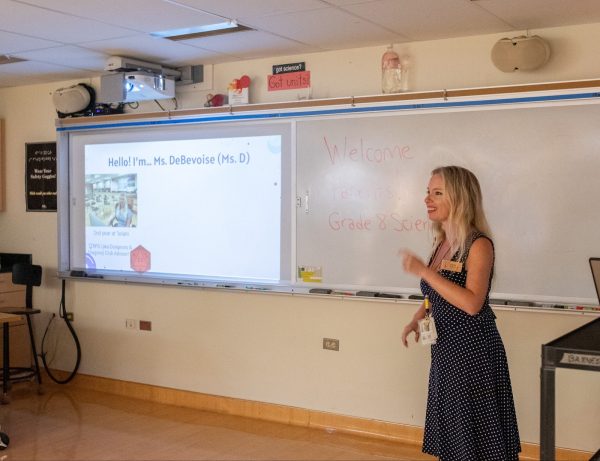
(268, 347)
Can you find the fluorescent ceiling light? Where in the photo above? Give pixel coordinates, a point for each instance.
(189, 33)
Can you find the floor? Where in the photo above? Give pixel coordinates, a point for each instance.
(66, 423)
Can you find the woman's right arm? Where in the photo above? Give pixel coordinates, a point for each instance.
(413, 326)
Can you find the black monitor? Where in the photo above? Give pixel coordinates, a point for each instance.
(8, 259)
(595, 266)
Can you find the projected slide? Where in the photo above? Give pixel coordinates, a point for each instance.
(207, 207)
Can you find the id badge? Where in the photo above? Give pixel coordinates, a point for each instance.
(427, 331)
(452, 266)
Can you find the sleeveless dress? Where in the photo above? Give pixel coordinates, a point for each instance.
(470, 410)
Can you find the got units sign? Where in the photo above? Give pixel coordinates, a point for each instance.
(289, 81)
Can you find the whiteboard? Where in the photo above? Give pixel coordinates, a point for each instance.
(361, 182)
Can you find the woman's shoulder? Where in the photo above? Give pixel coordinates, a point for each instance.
(481, 253)
(479, 243)
(477, 235)
(482, 243)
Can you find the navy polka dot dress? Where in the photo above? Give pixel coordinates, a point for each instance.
(470, 410)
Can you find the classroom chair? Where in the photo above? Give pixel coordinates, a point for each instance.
(29, 275)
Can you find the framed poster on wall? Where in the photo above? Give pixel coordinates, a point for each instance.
(40, 176)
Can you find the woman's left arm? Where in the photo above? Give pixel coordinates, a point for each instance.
(479, 266)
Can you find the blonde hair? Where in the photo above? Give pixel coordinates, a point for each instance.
(466, 207)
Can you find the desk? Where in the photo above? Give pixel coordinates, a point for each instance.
(6, 319)
(579, 349)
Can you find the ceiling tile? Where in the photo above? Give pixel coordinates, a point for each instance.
(154, 49)
(430, 19)
(347, 2)
(235, 9)
(533, 14)
(13, 43)
(69, 56)
(42, 23)
(42, 72)
(139, 15)
(252, 44)
(329, 28)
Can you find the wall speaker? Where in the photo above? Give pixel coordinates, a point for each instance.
(520, 53)
(74, 99)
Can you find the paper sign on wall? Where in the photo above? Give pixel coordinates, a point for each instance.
(289, 81)
(310, 274)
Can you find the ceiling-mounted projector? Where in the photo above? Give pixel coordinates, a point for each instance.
(135, 86)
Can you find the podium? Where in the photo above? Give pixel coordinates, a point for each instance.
(578, 349)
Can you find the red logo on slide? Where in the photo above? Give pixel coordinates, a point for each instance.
(140, 259)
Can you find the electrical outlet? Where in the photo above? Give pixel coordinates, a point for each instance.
(70, 316)
(130, 324)
(331, 344)
(146, 325)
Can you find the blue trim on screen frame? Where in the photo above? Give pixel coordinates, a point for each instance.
(338, 111)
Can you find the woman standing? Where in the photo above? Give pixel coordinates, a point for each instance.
(470, 410)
